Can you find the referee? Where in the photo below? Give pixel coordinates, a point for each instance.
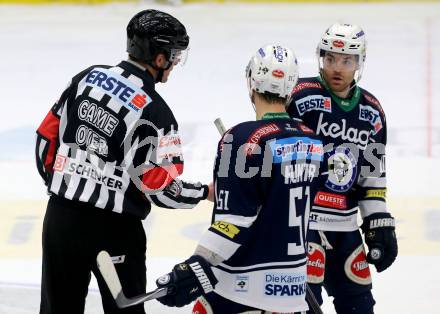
(106, 150)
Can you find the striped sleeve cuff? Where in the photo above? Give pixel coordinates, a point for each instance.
(180, 194)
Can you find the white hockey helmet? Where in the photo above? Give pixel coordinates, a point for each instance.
(273, 69)
(345, 39)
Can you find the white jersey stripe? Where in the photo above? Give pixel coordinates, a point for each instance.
(369, 207)
(241, 221)
(218, 244)
(331, 210)
(274, 264)
(373, 182)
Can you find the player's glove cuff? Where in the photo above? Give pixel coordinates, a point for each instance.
(378, 220)
(187, 281)
(380, 237)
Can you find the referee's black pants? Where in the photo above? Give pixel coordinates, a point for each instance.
(73, 234)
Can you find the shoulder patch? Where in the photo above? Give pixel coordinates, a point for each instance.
(305, 85)
(372, 100)
(369, 114)
(256, 136)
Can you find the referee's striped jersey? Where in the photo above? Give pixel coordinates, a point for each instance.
(111, 141)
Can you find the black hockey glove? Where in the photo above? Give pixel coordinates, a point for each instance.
(380, 238)
(187, 281)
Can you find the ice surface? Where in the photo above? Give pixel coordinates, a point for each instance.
(43, 46)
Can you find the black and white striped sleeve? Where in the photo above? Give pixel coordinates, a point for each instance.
(180, 194)
(47, 137)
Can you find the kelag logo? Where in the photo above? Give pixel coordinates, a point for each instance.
(314, 102)
(118, 87)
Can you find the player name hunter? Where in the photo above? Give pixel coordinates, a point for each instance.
(299, 172)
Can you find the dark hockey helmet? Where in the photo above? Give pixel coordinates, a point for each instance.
(151, 32)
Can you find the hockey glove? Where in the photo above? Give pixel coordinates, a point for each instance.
(187, 281)
(380, 238)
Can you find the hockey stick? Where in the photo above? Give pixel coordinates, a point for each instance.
(312, 301)
(309, 294)
(108, 272)
(220, 127)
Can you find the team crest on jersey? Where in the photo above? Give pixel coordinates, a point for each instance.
(371, 115)
(119, 88)
(313, 102)
(356, 267)
(342, 169)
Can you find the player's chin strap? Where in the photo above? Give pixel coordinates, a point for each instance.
(324, 241)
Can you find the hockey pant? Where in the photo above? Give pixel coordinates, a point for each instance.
(214, 303)
(337, 261)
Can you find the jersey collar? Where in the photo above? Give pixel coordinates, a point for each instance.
(346, 104)
(275, 115)
(144, 74)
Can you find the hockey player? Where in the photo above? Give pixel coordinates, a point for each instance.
(265, 175)
(108, 149)
(352, 125)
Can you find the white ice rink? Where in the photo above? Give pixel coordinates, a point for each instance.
(42, 47)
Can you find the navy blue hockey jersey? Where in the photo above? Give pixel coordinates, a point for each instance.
(265, 176)
(354, 137)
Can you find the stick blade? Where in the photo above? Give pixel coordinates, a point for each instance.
(108, 272)
(123, 302)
